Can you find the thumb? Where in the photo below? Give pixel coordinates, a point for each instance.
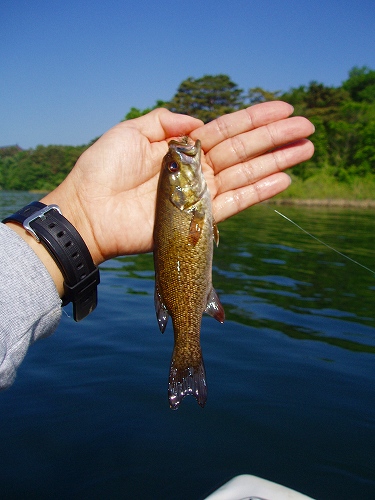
(160, 124)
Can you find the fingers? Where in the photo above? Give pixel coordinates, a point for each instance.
(248, 145)
(161, 124)
(253, 170)
(228, 126)
(233, 201)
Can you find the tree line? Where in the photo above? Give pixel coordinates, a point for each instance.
(344, 118)
(39, 169)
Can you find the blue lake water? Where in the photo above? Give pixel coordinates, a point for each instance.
(290, 374)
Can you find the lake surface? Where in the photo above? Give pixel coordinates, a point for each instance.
(291, 374)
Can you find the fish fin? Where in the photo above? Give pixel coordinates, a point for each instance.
(196, 226)
(187, 381)
(215, 231)
(214, 307)
(160, 309)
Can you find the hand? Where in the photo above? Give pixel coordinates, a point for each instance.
(109, 196)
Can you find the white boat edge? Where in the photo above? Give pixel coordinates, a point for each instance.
(248, 487)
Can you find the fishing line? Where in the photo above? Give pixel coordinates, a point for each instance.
(325, 244)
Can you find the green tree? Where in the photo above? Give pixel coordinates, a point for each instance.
(364, 155)
(42, 168)
(316, 98)
(321, 96)
(361, 84)
(207, 97)
(136, 112)
(8, 151)
(257, 95)
(321, 158)
(7, 160)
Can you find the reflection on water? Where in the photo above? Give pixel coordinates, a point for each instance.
(302, 287)
(10, 201)
(297, 285)
(290, 374)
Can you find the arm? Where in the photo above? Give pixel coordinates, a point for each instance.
(30, 307)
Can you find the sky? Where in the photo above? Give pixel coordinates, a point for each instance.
(71, 69)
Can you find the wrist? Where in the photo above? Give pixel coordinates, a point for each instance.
(75, 214)
(43, 255)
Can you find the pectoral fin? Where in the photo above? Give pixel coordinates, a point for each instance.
(160, 309)
(215, 231)
(214, 307)
(196, 227)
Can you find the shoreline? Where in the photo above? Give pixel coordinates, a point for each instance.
(308, 202)
(316, 202)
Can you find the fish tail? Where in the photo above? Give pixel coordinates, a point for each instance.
(185, 381)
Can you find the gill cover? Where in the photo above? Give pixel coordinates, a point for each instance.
(182, 164)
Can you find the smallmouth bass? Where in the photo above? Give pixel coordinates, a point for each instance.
(183, 247)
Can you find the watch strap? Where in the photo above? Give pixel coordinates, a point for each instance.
(67, 248)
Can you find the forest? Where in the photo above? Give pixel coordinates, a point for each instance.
(344, 117)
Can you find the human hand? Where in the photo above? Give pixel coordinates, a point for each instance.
(109, 196)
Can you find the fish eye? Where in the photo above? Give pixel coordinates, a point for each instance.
(173, 167)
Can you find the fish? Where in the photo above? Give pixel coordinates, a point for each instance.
(184, 232)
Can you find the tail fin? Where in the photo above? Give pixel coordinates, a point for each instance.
(187, 381)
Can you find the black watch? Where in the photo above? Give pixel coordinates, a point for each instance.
(67, 248)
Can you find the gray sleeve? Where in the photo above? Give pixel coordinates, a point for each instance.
(30, 307)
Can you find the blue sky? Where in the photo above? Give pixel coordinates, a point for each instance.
(72, 69)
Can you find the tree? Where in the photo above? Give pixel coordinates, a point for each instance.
(207, 98)
(361, 84)
(316, 95)
(364, 156)
(257, 95)
(321, 96)
(42, 168)
(136, 112)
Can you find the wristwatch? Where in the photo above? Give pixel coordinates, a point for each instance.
(81, 276)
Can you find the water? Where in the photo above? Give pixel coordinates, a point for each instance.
(290, 375)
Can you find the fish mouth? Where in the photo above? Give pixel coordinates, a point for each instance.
(185, 150)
